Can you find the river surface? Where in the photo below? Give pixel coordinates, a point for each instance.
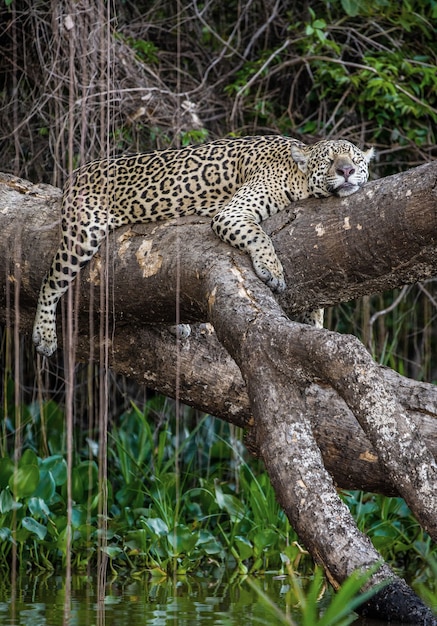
(51, 601)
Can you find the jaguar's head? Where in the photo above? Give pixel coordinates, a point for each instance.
(333, 167)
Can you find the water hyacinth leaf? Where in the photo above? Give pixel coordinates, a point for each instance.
(89, 474)
(79, 516)
(38, 508)
(57, 466)
(28, 458)
(76, 486)
(137, 541)
(209, 543)
(265, 539)
(62, 541)
(24, 481)
(6, 535)
(7, 502)
(34, 527)
(112, 551)
(182, 539)
(47, 487)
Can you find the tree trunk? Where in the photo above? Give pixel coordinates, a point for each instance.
(278, 373)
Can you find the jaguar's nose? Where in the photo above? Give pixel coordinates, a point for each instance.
(345, 171)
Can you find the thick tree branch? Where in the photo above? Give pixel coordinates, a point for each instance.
(281, 362)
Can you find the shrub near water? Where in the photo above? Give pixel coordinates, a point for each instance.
(211, 510)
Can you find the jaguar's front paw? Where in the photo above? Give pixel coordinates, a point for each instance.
(272, 276)
(44, 338)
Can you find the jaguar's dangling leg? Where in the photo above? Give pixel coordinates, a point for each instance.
(79, 244)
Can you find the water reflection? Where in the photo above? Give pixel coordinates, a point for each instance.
(41, 601)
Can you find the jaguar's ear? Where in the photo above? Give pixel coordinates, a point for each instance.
(369, 154)
(300, 156)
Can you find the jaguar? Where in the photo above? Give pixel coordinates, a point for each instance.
(238, 182)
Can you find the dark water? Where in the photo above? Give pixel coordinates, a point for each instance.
(51, 601)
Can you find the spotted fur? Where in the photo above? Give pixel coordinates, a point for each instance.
(238, 182)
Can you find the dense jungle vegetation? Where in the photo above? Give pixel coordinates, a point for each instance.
(158, 74)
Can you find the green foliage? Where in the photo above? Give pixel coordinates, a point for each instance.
(193, 136)
(212, 509)
(369, 64)
(395, 533)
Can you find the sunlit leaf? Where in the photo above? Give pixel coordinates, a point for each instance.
(158, 527)
(24, 481)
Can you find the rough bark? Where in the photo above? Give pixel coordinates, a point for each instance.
(281, 362)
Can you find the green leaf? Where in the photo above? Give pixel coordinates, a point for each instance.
(265, 539)
(34, 527)
(209, 543)
(245, 548)
(38, 508)
(6, 535)
(230, 504)
(47, 487)
(137, 541)
(89, 473)
(7, 502)
(24, 481)
(28, 458)
(319, 24)
(112, 551)
(57, 466)
(77, 491)
(182, 539)
(351, 7)
(158, 527)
